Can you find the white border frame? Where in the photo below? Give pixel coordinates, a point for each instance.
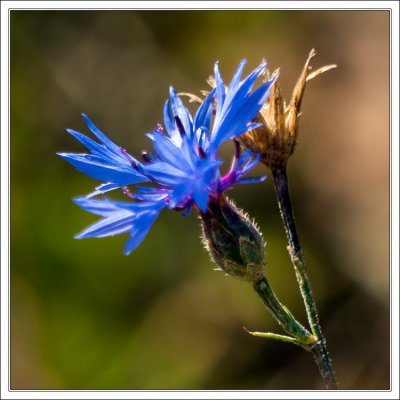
(6, 393)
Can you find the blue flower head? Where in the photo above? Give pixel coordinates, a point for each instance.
(185, 168)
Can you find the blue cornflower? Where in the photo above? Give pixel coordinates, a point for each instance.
(185, 167)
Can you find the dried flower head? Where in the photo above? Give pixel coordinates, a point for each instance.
(275, 140)
(276, 137)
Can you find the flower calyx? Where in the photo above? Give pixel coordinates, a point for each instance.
(233, 241)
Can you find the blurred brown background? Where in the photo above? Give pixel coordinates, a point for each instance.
(83, 316)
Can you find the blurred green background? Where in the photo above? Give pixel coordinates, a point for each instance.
(84, 316)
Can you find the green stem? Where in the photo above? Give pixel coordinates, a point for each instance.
(318, 349)
(281, 313)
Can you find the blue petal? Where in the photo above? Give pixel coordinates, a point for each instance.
(243, 158)
(106, 207)
(204, 114)
(254, 103)
(235, 82)
(150, 197)
(145, 189)
(180, 194)
(203, 139)
(244, 166)
(142, 226)
(220, 88)
(239, 108)
(120, 217)
(188, 154)
(201, 198)
(107, 162)
(180, 111)
(170, 125)
(167, 150)
(250, 126)
(209, 169)
(101, 136)
(96, 168)
(91, 145)
(104, 188)
(164, 173)
(250, 164)
(253, 180)
(119, 222)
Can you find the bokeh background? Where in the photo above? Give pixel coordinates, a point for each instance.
(84, 316)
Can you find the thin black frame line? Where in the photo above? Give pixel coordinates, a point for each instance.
(390, 197)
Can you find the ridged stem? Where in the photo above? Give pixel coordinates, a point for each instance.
(318, 349)
(282, 314)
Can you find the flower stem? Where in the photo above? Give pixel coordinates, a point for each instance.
(282, 314)
(318, 349)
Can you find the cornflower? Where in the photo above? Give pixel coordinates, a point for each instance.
(184, 170)
(184, 173)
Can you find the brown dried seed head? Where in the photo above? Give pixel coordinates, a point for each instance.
(276, 139)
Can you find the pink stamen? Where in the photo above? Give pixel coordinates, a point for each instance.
(125, 153)
(126, 191)
(160, 128)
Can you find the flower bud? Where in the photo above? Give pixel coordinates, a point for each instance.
(233, 241)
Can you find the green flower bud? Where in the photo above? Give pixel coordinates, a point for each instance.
(233, 241)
